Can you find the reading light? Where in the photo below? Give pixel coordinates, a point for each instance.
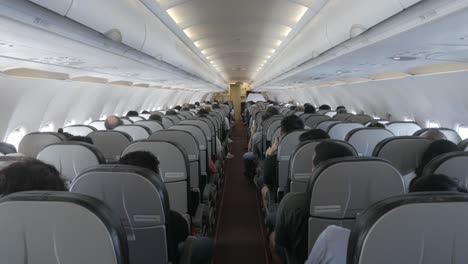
(301, 13)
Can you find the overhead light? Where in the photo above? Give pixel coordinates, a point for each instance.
(301, 13)
(203, 51)
(268, 56)
(197, 44)
(278, 43)
(264, 61)
(171, 12)
(272, 50)
(212, 62)
(287, 31)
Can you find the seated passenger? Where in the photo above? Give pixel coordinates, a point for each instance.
(155, 117)
(325, 107)
(376, 124)
(177, 107)
(132, 113)
(180, 230)
(113, 122)
(171, 112)
(434, 150)
(332, 244)
(341, 110)
(145, 112)
(309, 109)
(30, 175)
(292, 214)
(300, 108)
(433, 135)
(313, 134)
(81, 139)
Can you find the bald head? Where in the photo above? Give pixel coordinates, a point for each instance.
(113, 122)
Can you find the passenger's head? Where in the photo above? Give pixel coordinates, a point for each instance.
(184, 109)
(340, 107)
(436, 183)
(324, 107)
(155, 117)
(30, 175)
(375, 123)
(81, 139)
(142, 159)
(293, 107)
(272, 110)
(300, 108)
(171, 112)
(330, 150)
(178, 107)
(341, 111)
(290, 124)
(203, 112)
(191, 106)
(313, 134)
(197, 103)
(309, 109)
(132, 113)
(434, 150)
(145, 112)
(113, 122)
(215, 106)
(433, 135)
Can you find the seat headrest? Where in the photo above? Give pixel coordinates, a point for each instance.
(365, 139)
(6, 148)
(454, 165)
(428, 228)
(52, 227)
(288, 144)
(183, 138)
(313, 119)
(195, 131)
(79, 130)
(98, 124)
(151, 124)
(403, 128)
(137, 132)
(343, 187)
(33, 143)
(450, 134)
(340, 130)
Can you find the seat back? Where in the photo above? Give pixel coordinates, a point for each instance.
(60, 227)
(301, 163)
(79, 130)
(167, 123)
(314, 119)
(152, 125)
(365, 139)
(173, 118)
(304, 116)
(361, 119)
(403, 128)
(33, 143)
(6, 148)
(342, 117)
(186, 114)
(197, 132)
(71, 157)
(454, 165)
(429, 228)
(191, 146)
(206, 130)
(126, 120)
(268, 131)
(331, 113)
(98, 124)
(111, 143)
(404, 152)
(286, 148)
(174, 170)
(450, 134)
(340, 130)
(325, 125)
(140, 199)
(463, 145)
(342, 188)
(136, 118)
(136, 132)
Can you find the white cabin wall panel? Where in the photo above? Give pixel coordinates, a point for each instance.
(408, 3)
(436, 97)
(60, 7)
(107, 15)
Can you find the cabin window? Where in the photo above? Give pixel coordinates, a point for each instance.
(49, 127)
(433, 124)
(70, 123)
(16, 136)
(88, 121)
(463, 131)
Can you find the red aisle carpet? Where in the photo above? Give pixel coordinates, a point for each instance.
(239, 235)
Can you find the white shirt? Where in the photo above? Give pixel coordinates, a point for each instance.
(331, 246)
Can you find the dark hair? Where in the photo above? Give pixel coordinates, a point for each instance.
(272, 110)
(145, 112)
(60, 131)
(203, 112)
(309, 109)
(113, 122)
(436, 183)
(293, 107)
(30, 175)
(330, 150)
(215, 106)
(291, 123)
(7, 148)
(375, 123)
(191, 106)
(324, 107)
(197, 103)
(155, 117)
(132, 113)
(178, 107)
(142, 159)
(82, 139)
(434, 150)
(185, 109)
(340, 107)
(171, 112)
(313, 134)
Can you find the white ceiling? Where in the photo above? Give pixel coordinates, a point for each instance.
(238, 37)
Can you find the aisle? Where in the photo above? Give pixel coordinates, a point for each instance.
(239, 237)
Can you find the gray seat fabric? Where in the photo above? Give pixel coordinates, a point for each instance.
(325, 125)
(79, 130)
(463, 145)
(98, 124)
(342, 188)
(403, 128)
(454, 165)
(126, 120)
(59, 227)
(153, 126)
(175, 119)
(331, 113)
(450, 134)
(186, 114)
(286, 148)
(197, 132)
(167, 123)
(136, 132)
(361, 119)
(136, 118)
(145, 116)
(8, 160)
(111, 143)
(342, 117)
(70, 157)
(301, 163)
(206, 130)
(139, 197)
(304, 116)
(268, 131)
(313, 120)
(6, 148)
(33, 143)
(174, 170)
(429, 228)
(340, 130)
(365, 139)
(404, 152)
